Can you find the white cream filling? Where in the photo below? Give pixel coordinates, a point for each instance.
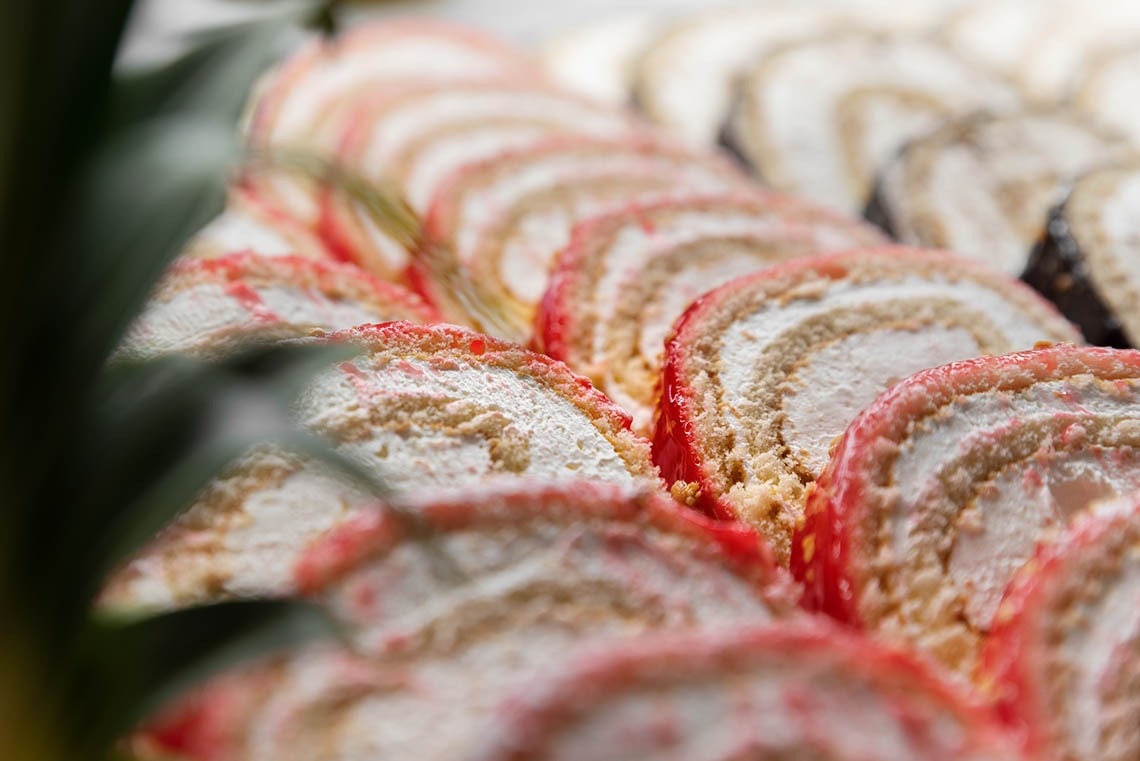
(1113, 619)
(561, 441)
(837, 381)
(279, 524)
(743, 344)
(195, 316)
(802, 87)
(1011, 513)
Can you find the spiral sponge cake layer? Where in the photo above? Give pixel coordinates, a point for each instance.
(938, 492)
(421, 408)
(432, 653)
(626, 277)
(763, 373)
(210, 306)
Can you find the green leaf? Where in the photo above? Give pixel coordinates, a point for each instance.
(137, 665)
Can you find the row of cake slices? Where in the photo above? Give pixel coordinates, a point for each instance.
(932, 501)
(685, 70)
(429, 407)
(500, 164)
(583, 623)
(928, 123)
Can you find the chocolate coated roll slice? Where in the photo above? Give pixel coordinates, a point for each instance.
(938, 492)
(821, 117)
(495, 227)
(763, 373)
(780, 692)
(533, 575)
(423, 408)
(209, 307)
(1063, 658)
(1089, 263)
(983, 185)
(626, 277)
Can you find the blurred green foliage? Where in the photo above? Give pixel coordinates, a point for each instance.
(103, 176)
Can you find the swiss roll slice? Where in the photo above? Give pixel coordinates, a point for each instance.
(1063, 657)
(410, 138)
(938, 492)
(421, 408)
(983, 185)
(299, 108)
(776, 692)
(497, 591)
(763, 373)
(822, 116)
(495, 226)
(1089, 262)
(210, 307)
(626, 277)
(248, 223)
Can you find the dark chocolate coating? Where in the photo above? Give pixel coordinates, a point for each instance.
(1058, 270)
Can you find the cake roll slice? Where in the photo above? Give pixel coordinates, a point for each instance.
(938, 492)
(494, 228)
(1063, 657)
(762, 374)
(626, 277)
(822, 116)
(777, 692)
(1110, 90)
(685, 78)
(300, 106)
(421, 408)
(210, 307)
(535, 574)
(1089, 262)
(983, 185)
(412, 138)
